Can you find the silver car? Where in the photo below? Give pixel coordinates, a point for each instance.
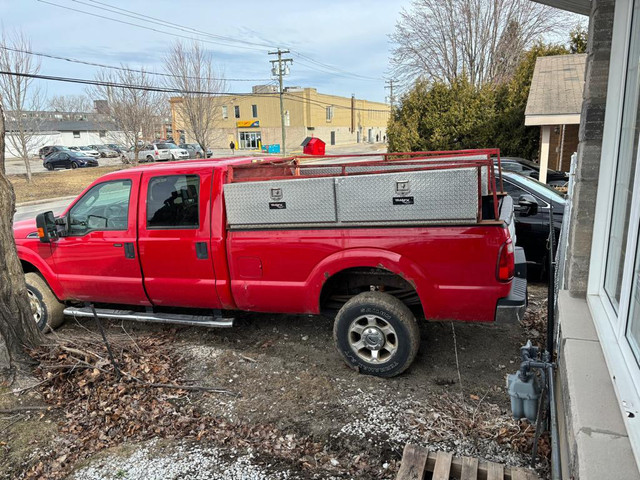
(175, 152)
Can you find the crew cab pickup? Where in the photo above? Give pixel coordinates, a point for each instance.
(375, 241)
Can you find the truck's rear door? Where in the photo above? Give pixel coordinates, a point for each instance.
(173, 238)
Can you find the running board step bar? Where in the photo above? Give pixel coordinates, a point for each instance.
(177, 319)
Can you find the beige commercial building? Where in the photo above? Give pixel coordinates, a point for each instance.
(253, 120)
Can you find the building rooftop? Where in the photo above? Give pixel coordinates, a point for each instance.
(555, 97)
(67, 126)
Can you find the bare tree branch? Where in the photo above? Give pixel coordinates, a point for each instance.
(22, 98)
(481, 39)
(193, 71)
(72, 104)
(134, 110)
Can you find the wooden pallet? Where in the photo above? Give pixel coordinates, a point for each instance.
(416, 461)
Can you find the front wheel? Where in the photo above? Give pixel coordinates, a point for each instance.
(377, 334)
(74, 165)
(48, 312)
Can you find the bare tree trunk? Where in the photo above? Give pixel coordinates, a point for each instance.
(17, 327)
(25, 158)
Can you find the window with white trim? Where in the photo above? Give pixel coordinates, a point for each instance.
(225, 112)
(329, 113)
(614, 268)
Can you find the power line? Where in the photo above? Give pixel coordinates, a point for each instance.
(178, 91)
(125, 69)
(147, 18)
(223, 40)
(144, 27)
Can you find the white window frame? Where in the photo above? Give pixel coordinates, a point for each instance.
(622, 364)
(329, 113)
(225, 112)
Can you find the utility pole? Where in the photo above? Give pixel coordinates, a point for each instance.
(280, 70)
(390, 87)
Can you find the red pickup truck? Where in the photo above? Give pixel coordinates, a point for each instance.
(375, 243)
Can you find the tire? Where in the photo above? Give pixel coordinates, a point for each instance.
(389, 323)
(173, 158)
(49, 167)
(47, 310)
(149, 158)
(74, 165)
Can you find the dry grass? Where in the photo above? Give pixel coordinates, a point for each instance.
(61, 183)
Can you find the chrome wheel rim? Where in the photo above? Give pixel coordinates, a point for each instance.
(36, 307)
(373, 339)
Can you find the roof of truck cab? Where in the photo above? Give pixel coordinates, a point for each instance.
(200, 163)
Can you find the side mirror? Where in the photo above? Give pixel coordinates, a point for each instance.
(46, 225)
(529, 205)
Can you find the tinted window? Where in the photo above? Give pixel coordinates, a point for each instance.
(172, 201)
(104, 207)
(542, 189)
(513, 190)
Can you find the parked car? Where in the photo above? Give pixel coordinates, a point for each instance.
(175, 152)
(531, 200)
(116, 147)
(147, 153)
(207, 235)
(86, 151)
(68, 159)
(195, 150)
(105, 152)
(532, 169)
(49, 149)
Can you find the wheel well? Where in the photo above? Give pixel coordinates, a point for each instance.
(348, 283)
(28, 267)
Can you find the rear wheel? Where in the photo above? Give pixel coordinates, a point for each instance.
(377, 334)
(149, 158)
(47, 310)
(48, 166)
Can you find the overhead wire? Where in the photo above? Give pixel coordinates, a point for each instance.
(221, 39)
(152, 88)
(126, 69)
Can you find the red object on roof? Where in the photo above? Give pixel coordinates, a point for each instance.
(313, 146)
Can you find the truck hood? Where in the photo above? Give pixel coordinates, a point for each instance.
(23, 228)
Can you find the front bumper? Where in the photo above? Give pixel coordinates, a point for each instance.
(511, 308)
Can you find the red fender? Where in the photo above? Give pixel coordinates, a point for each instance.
(365, 257)
(29, 256)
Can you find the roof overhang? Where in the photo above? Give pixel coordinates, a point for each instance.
(583, 7)
(563, 119)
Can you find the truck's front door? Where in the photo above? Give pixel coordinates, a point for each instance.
(97, 260)
(174, 238)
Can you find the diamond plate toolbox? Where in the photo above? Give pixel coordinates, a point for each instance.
(450, 195)
(270, 203)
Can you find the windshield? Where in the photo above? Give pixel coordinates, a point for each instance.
(545, 190)
(166, 145)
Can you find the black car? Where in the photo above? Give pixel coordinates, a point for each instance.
(532, 169)
(68, 159)
(531, 201)
(44, 152)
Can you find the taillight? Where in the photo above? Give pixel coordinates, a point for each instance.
(506, 262)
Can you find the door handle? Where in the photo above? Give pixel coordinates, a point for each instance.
(201, 250)
(129, 251)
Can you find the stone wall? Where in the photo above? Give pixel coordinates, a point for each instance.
(590, 146)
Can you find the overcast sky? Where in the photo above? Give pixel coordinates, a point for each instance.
(350, 37)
